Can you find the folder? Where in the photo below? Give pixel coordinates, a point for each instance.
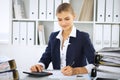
(107, 35)
(116, 12)
(41, 34)
(86, 13)
(30, 33)
(98, 33)
(109, 10)
(23, 31)
(15, 34)
(57, 3)
(33, 9)
(115, 35)
(100, 10)
(42, 9)
(19, 9)
(50, 9)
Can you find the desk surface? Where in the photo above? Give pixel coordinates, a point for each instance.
(57, 75)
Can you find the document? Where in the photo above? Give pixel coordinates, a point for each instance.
(58, 75)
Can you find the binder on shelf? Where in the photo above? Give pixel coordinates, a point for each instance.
(107, 35)
(100, 10)
(41, 34)
(15, 34)
(33, 9)
(50, 9)
(23, 33)
(115, 35)
(42, 9)
(30, 33)
(19, 9)
(98, 36)
(86, 13)
(109, 10)
(116, 12)
(57, 3)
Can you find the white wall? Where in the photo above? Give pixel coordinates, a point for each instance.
(25, 56)
(4, 20)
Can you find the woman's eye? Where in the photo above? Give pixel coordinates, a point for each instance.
(67, 19)
(59, 19)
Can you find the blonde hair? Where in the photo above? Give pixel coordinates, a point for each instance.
(65, 7)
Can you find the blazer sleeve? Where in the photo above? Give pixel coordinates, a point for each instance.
(46, 57)
(88, 49)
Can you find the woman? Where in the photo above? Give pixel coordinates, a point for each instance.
(68, 49)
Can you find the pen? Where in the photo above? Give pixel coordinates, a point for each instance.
(72, 64)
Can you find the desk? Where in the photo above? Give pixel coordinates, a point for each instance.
(57, 75)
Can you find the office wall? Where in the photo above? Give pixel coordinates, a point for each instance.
(25, 56)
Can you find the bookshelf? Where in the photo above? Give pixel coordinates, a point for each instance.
(106, 24)
(87, 8)
(48, 23)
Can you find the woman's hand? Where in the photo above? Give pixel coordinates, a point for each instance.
(36, 68)
(67, 71)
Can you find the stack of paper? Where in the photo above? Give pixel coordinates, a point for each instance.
(110, 60)
(8, 69)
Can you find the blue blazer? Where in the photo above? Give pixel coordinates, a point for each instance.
(79, 50)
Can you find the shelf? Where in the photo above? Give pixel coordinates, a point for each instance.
(24, 20)
(107, 22)
(84, 22)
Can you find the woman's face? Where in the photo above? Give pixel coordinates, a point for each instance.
(65, 20)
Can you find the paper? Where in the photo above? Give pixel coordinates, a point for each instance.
(58, 75)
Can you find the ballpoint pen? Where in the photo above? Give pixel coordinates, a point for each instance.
(72, 63)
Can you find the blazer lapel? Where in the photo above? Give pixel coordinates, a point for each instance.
(56, 52)
(70, 51)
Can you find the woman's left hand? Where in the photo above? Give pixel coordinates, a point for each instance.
(67, 71)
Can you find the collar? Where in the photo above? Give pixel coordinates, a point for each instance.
(72, 34)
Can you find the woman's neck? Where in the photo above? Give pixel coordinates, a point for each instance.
(66, 33)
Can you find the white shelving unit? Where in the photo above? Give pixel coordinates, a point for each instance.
(109, 11)
(83, 25)
(86, 26)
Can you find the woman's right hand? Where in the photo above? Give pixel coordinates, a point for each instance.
(36, 68)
